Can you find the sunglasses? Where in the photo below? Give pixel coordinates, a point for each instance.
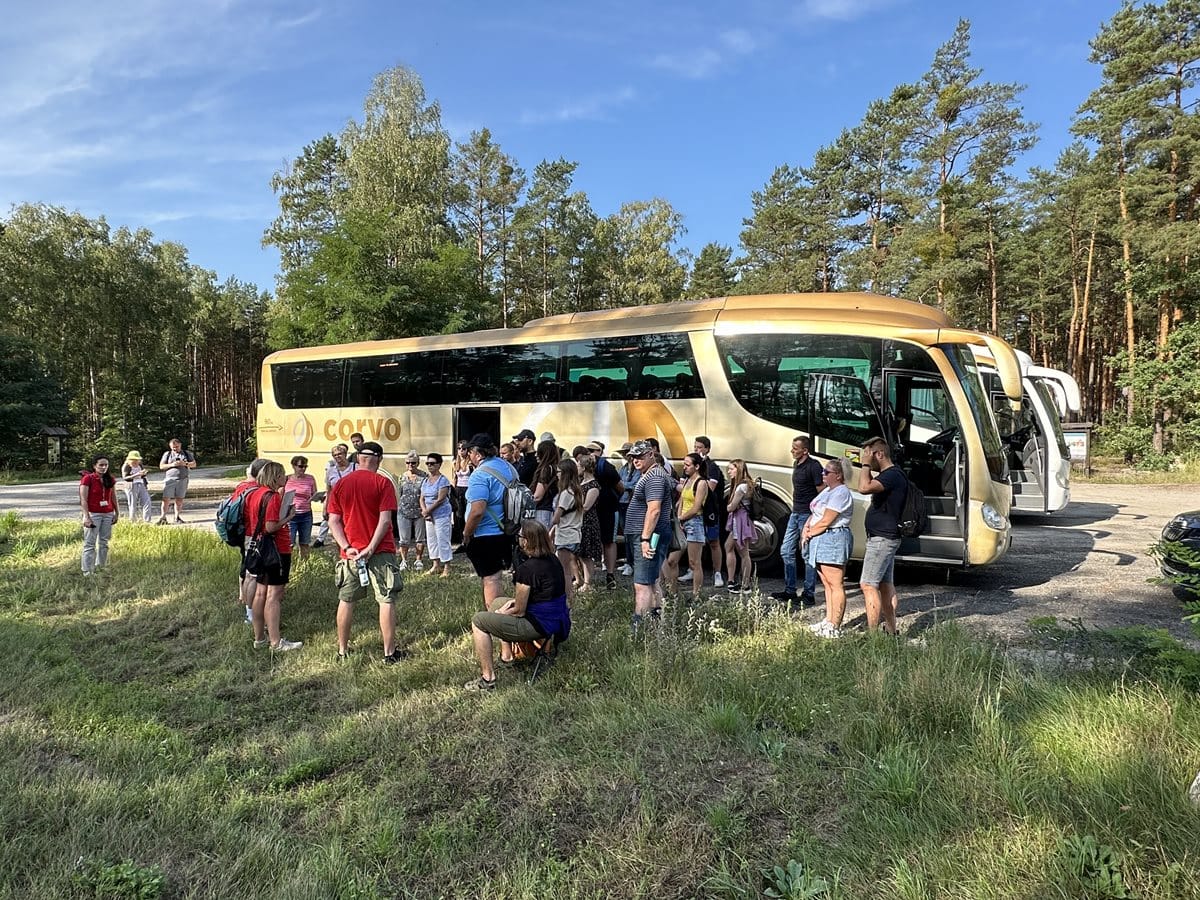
(412, 462)
(829, 471)
(431, 462)
(301, 465)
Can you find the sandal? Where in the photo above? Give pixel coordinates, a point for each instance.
(481, 684)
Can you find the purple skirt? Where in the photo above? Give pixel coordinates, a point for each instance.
(741, 527)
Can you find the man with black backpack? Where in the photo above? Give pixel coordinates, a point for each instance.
(888, 491)
(235, 532)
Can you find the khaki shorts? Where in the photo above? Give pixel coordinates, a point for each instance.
(507, 628)
(384, 574)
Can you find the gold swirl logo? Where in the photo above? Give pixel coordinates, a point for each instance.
(302, 432)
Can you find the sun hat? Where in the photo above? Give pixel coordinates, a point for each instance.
(133, 454)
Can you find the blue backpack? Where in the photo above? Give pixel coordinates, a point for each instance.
(231, 519)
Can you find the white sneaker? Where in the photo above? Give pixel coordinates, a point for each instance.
(404, 565)
(685, 578)
(718, 581)
(419, 566)
(285, 645)
(626, 570)
(825, 629)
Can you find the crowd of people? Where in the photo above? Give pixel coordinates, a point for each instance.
(384, 526)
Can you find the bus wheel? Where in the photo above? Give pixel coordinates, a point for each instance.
(769, 531)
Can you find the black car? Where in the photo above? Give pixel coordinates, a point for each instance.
(1182, 570)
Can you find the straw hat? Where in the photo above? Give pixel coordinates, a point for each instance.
(133, 455)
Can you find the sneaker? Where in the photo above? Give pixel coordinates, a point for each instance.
(394, 657)
(610, 582)
(481, 684)
(785, 596)
(318, 544)
(734, 587)
(162, 521)
(626, 570)
(807, 599)
(404, 565)
(249, 616)
(285, 645)
(685, 578)
(178, 521)
(419, 566)
(825, 629)
(718, 581)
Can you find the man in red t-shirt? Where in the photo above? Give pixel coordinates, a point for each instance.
(247, 583)
(360, 510)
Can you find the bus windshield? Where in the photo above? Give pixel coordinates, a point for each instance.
(962, 360)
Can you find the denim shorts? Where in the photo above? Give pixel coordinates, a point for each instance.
(694, 531)
(879, 563)
(574, 548)
(830, 548)
(301, 528)
(646, 571)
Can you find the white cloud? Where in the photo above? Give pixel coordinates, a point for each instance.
(706, 60)
(596, 106)
(838, 10)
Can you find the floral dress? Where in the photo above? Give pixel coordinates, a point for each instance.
(590, 545)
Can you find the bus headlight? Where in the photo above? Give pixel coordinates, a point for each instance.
(991, 518)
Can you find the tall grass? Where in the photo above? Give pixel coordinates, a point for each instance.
(147, 748)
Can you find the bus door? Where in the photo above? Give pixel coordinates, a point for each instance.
(1028, 453)
(472, 420)
(923, 425)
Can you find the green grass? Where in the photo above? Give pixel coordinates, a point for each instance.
(38, 476)
(1112, 470)
(146, 750)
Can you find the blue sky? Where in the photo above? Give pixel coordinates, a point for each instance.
(173, 116)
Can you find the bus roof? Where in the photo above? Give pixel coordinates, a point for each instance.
(734, 312)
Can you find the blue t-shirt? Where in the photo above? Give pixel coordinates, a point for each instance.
(486, 484)
(429, 492)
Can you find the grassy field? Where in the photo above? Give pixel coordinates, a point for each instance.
(146, 750)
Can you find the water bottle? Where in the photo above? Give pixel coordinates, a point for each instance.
(363, 577)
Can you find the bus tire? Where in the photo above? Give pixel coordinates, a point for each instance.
(769, 532)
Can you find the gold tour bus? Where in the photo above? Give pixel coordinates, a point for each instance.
(750, 372)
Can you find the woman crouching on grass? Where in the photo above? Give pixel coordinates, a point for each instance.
(827, 543)
(264, 505)
(97, 499)
(537, 610)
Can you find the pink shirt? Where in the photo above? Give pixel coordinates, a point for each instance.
(304, 486)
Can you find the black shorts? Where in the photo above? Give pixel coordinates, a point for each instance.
(278, 574)
(608, 523)
(490, 553)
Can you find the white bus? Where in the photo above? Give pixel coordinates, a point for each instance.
(749, 372)
(1039, 460)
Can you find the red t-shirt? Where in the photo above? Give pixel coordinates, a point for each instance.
(283, 537)
(359, 498)
(99, 498)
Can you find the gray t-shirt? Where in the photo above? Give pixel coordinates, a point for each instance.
(176, 474)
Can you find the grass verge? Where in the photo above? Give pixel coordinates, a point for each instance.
(147, 750)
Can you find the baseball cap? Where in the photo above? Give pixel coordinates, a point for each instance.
(481, 441)
(546, 436)
(640, 449)
(370, 448)
(625, 447)
(524, 435)
(596, 445)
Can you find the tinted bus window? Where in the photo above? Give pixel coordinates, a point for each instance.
(639, 367)
(520, 373)
(818, 384)
(398, 379)
(308, 385)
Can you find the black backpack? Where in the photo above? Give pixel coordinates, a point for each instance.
(914, 517)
